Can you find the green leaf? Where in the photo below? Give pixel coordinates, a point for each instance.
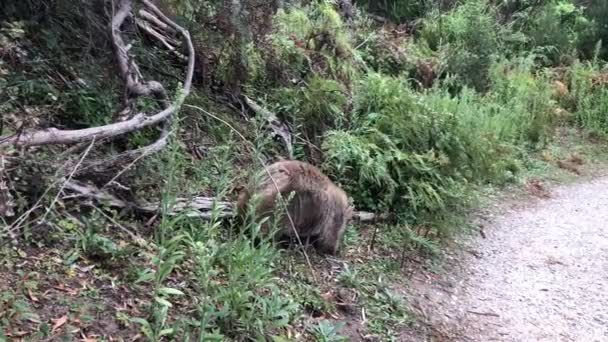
(165, 332)
(163, 302)
(170, 291)
(146, 275)
(141, 321)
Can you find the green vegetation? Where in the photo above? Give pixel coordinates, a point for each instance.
(414, 116)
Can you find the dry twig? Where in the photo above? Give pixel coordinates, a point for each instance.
(277, 126)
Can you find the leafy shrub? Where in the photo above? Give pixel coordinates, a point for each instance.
(591, 97)
(414, 153)
(390, 160)
(312, 108)
(388, 51)
(396, 10)
(555, 28)
(380, 49)
(325, 331)
(311, 39)
(472, 36)
(597, 11)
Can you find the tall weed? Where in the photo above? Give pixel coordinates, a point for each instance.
(473, 37)
(591, 97)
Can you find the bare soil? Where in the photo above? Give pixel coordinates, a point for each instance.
(540, 273)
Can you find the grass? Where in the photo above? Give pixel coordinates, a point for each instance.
(427, 146)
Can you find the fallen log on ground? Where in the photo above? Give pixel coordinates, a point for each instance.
(197, 206)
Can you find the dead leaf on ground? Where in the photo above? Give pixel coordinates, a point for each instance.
(31, 296)
(62, 287)
(85, 338)
(536, 188)
(17, 334)
(59, 322)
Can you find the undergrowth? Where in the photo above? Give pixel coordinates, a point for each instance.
(412, 116)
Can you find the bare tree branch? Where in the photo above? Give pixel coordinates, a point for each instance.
(126, 157)
(185, 34)
(129, 70)
(162, 141)
(134, 88)
(151, 18)
(56, 136)
(278, 127)
(167, 42)
(121, 49)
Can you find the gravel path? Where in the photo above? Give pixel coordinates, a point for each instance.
(541, 274)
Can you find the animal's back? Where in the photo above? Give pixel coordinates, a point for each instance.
(284, 177)
(317, 208)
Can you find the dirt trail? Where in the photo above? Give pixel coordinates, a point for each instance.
(541, 274)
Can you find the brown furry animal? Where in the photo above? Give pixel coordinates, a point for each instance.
(576, 160)
(318, 208)
(566, 165)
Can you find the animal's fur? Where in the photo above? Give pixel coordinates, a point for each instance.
(567, 165)
(318, 208)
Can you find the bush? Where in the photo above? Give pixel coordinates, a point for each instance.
(392, 159)
(311, 109)
(472, 36)
(597, 11)
(587, 84)
(556, 28)
(412, 153)
(398, 11)
(310, 40)
(526, 101)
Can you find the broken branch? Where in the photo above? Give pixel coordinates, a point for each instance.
(169, 43)
(278, 127)
(56, 136)
(201, 207)
(155, 21)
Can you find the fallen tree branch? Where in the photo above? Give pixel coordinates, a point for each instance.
(379, 19)
(101, 165)
(167, 42)
(133, 88)
(278, 127)
(151, 18)
(56, 136)
(199, 206)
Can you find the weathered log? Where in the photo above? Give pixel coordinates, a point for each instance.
(198, 206)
